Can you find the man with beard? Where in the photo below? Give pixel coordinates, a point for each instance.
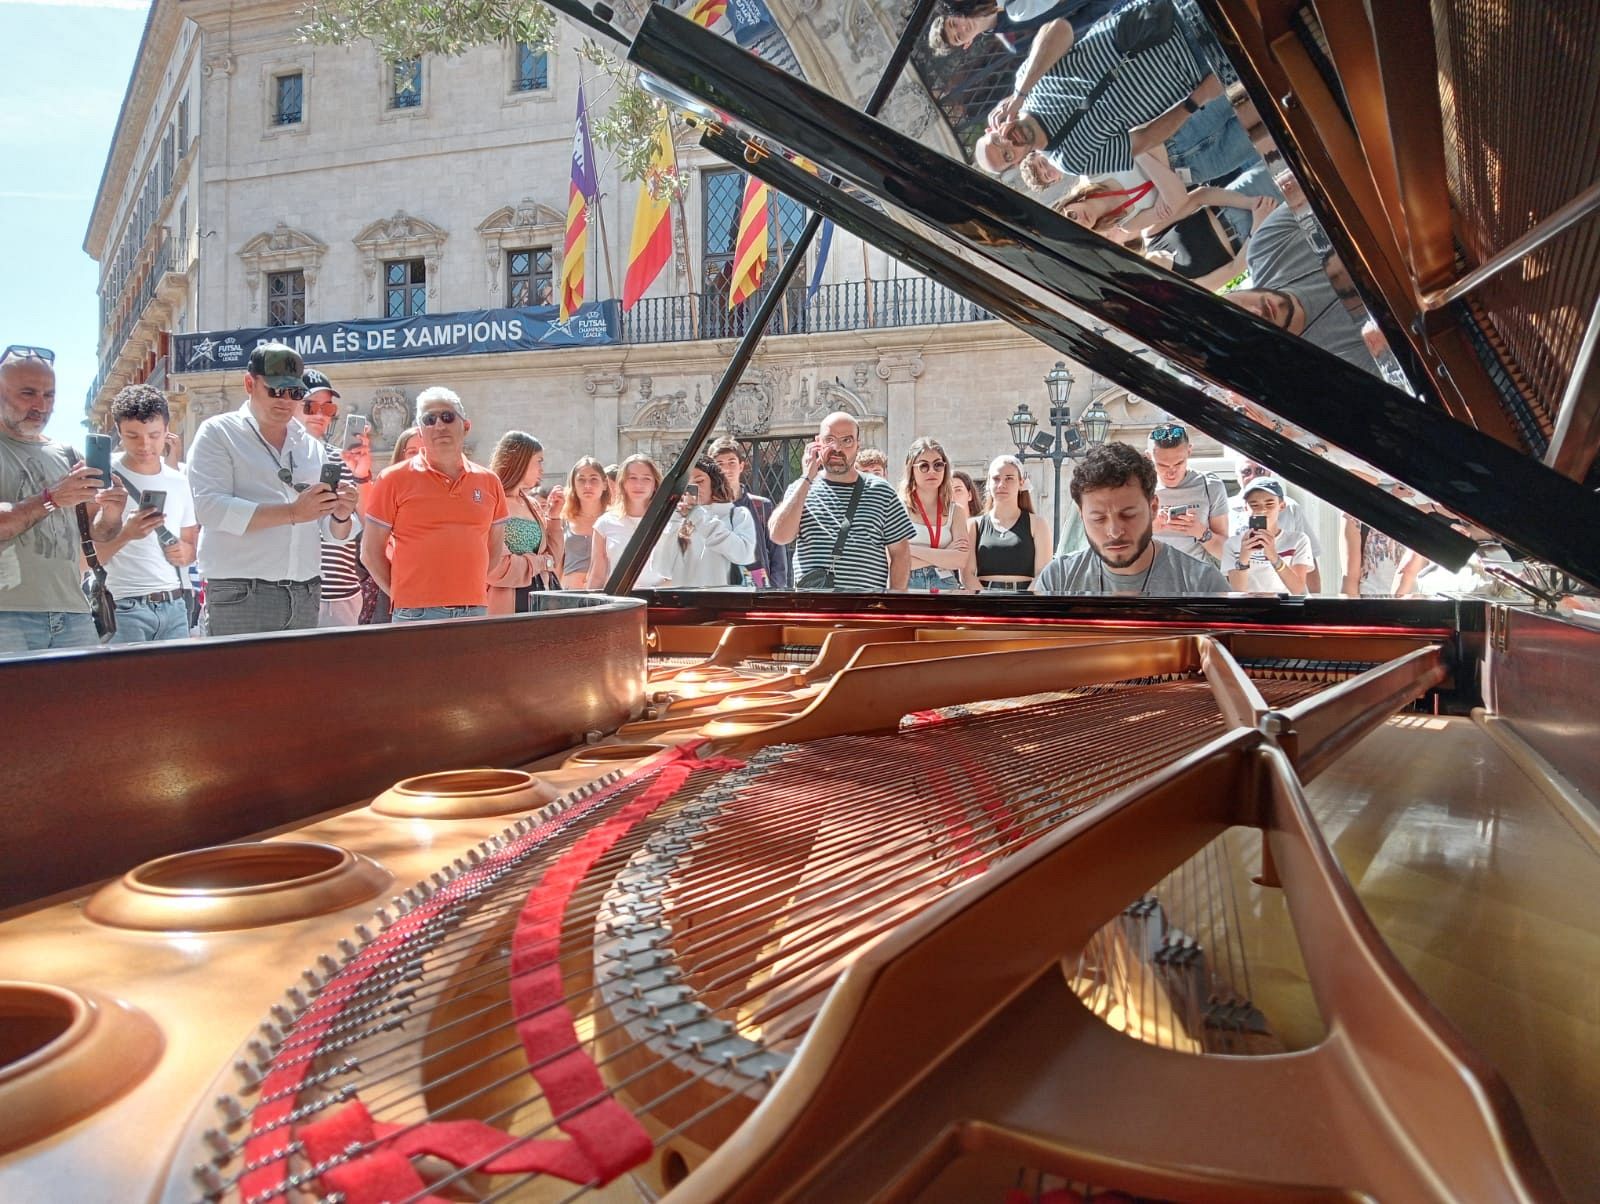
(853, 533)
(1114, 488)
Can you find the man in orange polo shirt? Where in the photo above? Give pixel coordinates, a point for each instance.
(446, 516)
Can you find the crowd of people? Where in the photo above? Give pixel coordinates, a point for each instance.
(277, 526)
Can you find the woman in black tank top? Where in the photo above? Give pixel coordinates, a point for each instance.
(1013, 543)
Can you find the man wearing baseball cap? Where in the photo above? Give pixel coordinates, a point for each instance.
(1260, 557)
(341, 574)
(262, 504)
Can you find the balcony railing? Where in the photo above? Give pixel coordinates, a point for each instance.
(853, 305)
(162, 261)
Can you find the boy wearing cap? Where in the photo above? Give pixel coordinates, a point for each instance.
(341, 576)
(1260, 557)
(262, 506)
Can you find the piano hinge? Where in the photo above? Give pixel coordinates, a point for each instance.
(1499, 629)
(755, 149)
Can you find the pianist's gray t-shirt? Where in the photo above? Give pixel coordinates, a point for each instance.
(1279, 257)
(1172, 575)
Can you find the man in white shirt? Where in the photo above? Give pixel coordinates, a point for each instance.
(145, 562)
(1263, 558)
(263, 506)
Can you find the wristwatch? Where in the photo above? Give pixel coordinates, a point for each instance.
(1240, 566)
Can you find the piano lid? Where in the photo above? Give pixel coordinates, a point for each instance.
(1042, 272)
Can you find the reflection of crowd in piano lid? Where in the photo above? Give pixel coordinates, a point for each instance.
(255, 525)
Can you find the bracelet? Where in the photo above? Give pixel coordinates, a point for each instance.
(48, 502)
(1277, 567)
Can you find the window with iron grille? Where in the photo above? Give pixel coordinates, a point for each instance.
(183, 126)
(530, 277)
(405, 288)
(169, 160)
(286, 298)
(405, 88)
(533, 69)
(723, 197)
(290, 99)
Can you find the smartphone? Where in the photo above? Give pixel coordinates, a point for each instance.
(1178, 511)
(355, 426)
(154, 500)
(332, 474)
(692, 492)
(97, 455)
(1258, 522)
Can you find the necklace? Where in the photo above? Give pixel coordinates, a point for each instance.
(1143, 581)
(286, 475)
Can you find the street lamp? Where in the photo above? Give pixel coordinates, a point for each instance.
(1071, 440)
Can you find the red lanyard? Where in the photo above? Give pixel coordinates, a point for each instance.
(1134, 195)
(934, 529)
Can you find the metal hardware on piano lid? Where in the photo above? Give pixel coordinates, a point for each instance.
(811, 943)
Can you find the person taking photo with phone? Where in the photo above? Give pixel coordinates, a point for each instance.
(1261, 557)
(146, 562)
(711, 536)
(264, 505)
(42, 484)
(340, 604)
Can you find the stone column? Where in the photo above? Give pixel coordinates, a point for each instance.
(606, 389)
(899, 371)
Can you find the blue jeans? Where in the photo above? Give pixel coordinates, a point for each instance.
(141, 622)
(421, 614)
(25, 631)
(1212, 145)
(926, 576)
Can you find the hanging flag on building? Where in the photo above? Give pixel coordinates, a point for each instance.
(579, 194)
(826, 241)
(651, 246)
(708, 12)
(750, 248)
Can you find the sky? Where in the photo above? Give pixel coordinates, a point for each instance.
(65, 66)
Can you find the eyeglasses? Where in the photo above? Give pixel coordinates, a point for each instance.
(329, 407)
(19, 351)
(292, 392)
(433, 416)
(929, 466)
(1250, 471)
(1169, 434)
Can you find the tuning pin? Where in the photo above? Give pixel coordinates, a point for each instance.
(272, 1033)
(297, 999)
(282, 1015)
(313, 979)
(232, 1110)
(327, 964)
(259, 1051)
(248, 1075)
(474, 857)
(385, 920)
(364, 934)
(219, 1143)
(209, 1179)
(347, 949)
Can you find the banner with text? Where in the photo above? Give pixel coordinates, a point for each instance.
(471, 332)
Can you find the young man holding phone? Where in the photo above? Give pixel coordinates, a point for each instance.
(1260, 557)
(264, 509)
(341, 574)
(42, 605)
(145, 562)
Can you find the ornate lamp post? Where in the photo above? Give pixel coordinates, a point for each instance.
(1070, 440)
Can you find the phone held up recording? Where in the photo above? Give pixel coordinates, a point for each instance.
(97, 455)
(332, 473)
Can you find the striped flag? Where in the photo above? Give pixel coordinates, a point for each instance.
(579, 194)
(750, 248)
(708, 12)
(652, 221)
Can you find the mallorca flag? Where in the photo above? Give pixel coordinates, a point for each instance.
(708, 12)
(579, 193)
(652, 221)
(750, 248)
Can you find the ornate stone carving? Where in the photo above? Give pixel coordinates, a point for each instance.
(390, 414)
(749, 410)
(646, 387)
(860, 373)
(604, 384)
(281, 249)
(668, 411)
(862, 33)
(900, 368)
(222, 64)
(515, 227)
(401, 237)
(910, 110)
(836, 395)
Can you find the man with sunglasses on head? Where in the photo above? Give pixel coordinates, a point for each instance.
(341, 574)
(263, 507)
(42, 483)
(1191, 507)
(445, 515)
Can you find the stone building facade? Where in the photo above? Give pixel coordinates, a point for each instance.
(255, 179)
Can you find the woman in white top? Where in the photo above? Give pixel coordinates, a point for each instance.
(638, 478)
(711, 537)
(1261, 558)
(943, 535)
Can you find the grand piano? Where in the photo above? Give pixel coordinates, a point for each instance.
(734, 896)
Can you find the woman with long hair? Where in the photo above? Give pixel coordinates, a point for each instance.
(533, 539)
(374, 602)
(964, 493)
(588, 494)
(405, 446)
(943, 537)
(1013, 543)
(638, 478)
(711, 536)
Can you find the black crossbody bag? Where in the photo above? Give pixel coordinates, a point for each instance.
(1138, 30)
(825, 578)
(102, 606)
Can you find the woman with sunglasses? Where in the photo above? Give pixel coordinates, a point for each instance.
(533, 539)
(638, 478)
(943, 538)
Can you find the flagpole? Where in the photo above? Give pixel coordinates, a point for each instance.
(605, 245)
(643, 541)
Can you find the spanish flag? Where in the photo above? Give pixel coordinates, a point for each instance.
(750, 248)
(652, 220)
(579, 194)
(708, 12)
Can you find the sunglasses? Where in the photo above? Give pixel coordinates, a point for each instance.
(448, 417)
(929, 466)
(1168, 434)
(292, 392)
(19, 351)
(330, 408)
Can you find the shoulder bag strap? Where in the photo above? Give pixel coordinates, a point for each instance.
(844, 528)
(1132, 38)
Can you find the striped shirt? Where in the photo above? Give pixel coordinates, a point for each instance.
(1148, 85)
(340, 577)
(880, 520)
